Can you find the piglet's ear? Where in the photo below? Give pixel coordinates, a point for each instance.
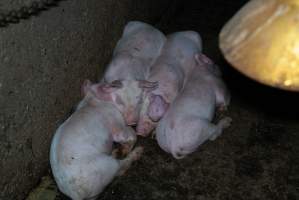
(102, 91)
(147, 84)
(203, 59)
(86, 86)
(116, 84)
(107, 88)
(157, 107)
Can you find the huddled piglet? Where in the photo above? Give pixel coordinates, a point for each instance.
(81, 154)
(170, 71)
(187, 122)
(135, 52)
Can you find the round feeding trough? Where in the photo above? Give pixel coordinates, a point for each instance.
(262, 42)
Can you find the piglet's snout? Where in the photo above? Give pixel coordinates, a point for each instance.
(130, 117)
(143, 129)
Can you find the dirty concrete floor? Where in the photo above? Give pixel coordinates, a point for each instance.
(256, 158)
(43, 62)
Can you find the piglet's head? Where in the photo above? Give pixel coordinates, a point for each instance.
(126, 95)
(155, 111)
(130, 97)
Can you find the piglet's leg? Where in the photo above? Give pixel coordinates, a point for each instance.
(217, 129)
(132, 156)
(222, 96)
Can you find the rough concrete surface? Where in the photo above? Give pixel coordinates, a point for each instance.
(43, 61)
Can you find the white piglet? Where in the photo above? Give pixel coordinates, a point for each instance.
(134, 54)
(81, 151)
(187, 123)
(170, 71)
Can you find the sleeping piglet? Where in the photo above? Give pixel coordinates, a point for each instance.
(187, 123)
(170, 71)
(81, 151)
(135, 52)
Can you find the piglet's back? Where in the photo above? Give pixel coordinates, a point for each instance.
(141, 40)
(79, 135)
(182, 46)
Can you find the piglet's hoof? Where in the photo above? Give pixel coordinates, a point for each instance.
(120, 152)
(222, 108)
(125, 149)
(225, 122)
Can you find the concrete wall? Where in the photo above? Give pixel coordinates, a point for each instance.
(43, 61)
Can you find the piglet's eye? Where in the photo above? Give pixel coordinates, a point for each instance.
(116, 84)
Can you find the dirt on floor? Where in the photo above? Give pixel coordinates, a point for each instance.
(256, 158)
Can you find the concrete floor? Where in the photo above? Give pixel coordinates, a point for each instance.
(256, 158)
(43, 62)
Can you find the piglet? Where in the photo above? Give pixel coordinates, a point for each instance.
(81, 151)
(170, 71)
(135, 52)
(187, 123)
